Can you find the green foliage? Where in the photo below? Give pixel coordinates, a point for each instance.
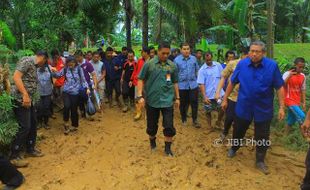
(8, 124)
(240, 15)
(7, 35)
(22, 53)
(4, 53)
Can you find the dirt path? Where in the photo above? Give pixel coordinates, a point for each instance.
(114, 154)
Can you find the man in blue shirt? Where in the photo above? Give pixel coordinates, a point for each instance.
(209, 77)
(258, 76)
(112, 78)
(188, 87)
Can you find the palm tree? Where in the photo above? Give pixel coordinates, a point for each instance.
(145, 22)
(129, 15)
(270, 26)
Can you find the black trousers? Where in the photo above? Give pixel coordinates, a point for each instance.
(306, 183)
(44, 108)
(128, 92)
(189, 97)
(153, 117)
(27, 132)
(261, 135)
(71, 103)
(9, 175)
(113, 85)
(230, 116)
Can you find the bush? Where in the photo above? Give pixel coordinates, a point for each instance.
(22, 53)
(8, 123)
(8, 37)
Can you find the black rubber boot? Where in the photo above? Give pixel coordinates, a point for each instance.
(153, 143)
(260, 163)
(168, 149)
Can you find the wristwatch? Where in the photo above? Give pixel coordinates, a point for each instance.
(139, 98)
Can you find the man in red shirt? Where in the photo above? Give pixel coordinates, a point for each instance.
(295, 93)
(134, 77)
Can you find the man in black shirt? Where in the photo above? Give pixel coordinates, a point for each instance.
(128, 89)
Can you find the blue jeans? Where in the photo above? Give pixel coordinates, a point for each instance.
(295, 114)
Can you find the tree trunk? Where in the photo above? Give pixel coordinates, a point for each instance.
(251, 27)
(270, 32)
(160, 20)
(129, 12)
(145, 23)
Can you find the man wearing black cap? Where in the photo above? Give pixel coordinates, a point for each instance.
(23, 91)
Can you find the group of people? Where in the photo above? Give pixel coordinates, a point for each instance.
(241, 89)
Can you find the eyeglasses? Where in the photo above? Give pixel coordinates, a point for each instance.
(256, 51)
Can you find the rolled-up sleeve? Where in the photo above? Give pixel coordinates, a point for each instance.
(277, 78)
(143, 72)
(201, 77)
(235, 77)
(175, 77)
(23, 65)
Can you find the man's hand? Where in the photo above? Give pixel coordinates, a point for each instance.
(305, 129)
(292, 72)
(217, 95)
(177, 103)
(141, 102)
(303, 106)
(207, 100)
(87, 91)
(116, 68)
(26, 101)
(224, 105)
(281, 114)
(53, 69)
(130, 84)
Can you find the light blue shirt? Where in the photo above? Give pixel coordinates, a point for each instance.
(210, 76)
(187, 71)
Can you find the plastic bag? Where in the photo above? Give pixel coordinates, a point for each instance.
(90, 108)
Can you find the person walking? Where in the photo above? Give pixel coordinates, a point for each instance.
(208, 79)
(295, 94)
(188, 68)
(23, 91)
(258, 76)
(159, 77)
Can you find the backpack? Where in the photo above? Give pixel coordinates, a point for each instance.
(82, 90)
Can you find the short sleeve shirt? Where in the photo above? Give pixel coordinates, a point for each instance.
(293, 88)
(28, 68)
(98, 67)
(227, 73)
(210, 76)
(159, 79)
(128, 70)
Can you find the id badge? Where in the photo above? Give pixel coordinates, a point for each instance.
(168, 77)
